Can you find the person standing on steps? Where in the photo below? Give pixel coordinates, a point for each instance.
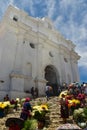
(47, 91)
(64, 108)
(6, 98)
(32, 92)
(36, 92)
(27, 109)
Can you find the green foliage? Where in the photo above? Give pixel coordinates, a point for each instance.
(80, 115)
(11, 106)
(39, 103)
(30, 124)
(85, 111)
(39, 115)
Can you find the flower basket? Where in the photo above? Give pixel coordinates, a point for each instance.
(41, 124)
(39, 113)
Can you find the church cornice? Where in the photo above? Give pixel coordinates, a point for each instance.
(21, 76)
(74, 55)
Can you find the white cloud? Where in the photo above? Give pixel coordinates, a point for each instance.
(50, 7)
(11, 1)
(74, 27)
(29, 4)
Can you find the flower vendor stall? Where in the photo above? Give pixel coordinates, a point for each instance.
(38, 117)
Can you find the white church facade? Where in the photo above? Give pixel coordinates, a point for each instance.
(32, 53)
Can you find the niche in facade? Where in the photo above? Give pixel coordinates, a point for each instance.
(65, 59)
(50, 54)
(2, 81)
(32, 45)
(15, 18)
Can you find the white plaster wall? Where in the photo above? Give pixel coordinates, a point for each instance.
(17, 56)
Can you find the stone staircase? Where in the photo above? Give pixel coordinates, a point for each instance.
(53, 119)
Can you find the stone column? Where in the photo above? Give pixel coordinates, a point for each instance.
(18, 54)
(63, 75)
(40, 82)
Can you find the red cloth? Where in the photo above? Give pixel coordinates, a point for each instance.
(14, 127)
(64, 108)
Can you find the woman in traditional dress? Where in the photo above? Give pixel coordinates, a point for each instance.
(26, 111)
(64, 108)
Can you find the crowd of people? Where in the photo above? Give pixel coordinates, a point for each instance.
(75, 90)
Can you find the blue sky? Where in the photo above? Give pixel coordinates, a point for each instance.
(68, 16)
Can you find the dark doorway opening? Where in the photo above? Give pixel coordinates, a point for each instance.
(51, 77)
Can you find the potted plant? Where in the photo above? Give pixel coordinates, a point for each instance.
(39, 113)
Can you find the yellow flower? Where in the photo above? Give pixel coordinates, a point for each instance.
(4, 104)
(63, 92)
(7, 103)
(18, 100)
(36, 107)
(76, 101)
(70, 101)
(44, 107)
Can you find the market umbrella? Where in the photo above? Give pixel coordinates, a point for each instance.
(68, 126)
(18, 121)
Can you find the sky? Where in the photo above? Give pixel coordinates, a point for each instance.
(69, 18)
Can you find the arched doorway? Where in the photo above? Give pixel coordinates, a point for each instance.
(51, 75)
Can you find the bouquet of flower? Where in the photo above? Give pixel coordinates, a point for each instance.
(5, 104)
(39, 112)
(73, 103)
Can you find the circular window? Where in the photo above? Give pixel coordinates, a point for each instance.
(32, 45)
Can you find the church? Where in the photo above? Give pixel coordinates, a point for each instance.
(32, 53)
